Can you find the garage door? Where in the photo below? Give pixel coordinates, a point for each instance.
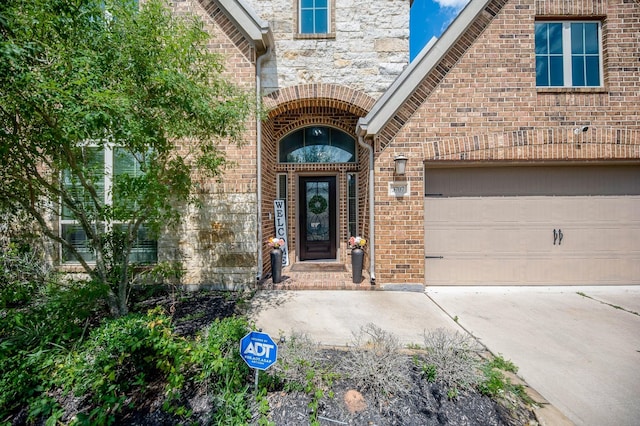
(532, 225)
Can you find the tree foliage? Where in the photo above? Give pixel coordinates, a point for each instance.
(106, 74)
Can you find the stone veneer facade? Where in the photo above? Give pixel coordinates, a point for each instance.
(330, 79)
(366, 49)
(216, 241)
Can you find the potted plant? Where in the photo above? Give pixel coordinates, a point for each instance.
(356, 244)
(276, 258)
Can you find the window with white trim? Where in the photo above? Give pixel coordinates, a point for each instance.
(568, 54)
(104, 165)
(313, 17)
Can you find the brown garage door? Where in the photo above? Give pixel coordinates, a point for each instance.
(532, 225)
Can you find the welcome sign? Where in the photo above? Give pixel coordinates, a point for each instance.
(281, 228)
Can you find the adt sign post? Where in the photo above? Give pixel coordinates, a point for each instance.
(259, 351)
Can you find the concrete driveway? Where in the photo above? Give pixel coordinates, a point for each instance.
(579, 347)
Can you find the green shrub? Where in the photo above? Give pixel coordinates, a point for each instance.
(63, 343)
(220, 369)
(120, 358)
(36, 336)
(22, 271)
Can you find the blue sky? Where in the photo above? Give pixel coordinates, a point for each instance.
(430, 18)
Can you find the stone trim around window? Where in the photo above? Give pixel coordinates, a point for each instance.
(318, 36)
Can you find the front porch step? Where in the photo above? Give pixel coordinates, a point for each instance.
(317, 280)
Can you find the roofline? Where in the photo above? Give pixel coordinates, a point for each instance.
(430, 55)
(248, 21)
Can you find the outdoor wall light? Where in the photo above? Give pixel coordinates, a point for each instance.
(401, 164)
(579, 130)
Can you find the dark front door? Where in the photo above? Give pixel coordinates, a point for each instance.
(317, 217)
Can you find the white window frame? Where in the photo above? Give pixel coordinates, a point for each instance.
(109, 170)
(567, 67)
(314, 8)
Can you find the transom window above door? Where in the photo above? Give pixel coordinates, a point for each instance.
(317, 144)
(568, 54)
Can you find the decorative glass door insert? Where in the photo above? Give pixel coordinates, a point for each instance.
(318, 217)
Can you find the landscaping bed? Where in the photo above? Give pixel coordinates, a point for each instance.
(175, 360)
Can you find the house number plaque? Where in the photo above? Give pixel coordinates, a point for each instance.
(399, 189)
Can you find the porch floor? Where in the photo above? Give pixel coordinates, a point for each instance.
(293, 280)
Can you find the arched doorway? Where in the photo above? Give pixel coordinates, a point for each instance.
(317, 196)
(311, 159)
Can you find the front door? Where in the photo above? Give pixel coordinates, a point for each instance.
(317, 217)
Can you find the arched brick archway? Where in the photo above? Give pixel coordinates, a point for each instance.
(318, 95)
(296, 107)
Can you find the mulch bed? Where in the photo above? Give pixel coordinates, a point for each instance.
(425, 404)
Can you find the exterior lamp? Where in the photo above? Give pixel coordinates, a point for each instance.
(401, 164)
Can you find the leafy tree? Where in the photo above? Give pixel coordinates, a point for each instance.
(79, 78)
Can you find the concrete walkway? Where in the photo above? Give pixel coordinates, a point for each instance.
(579, 347)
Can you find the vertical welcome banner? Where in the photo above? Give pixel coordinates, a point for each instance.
(281, 228)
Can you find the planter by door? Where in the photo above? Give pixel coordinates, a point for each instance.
(276, 265)
(357, 259)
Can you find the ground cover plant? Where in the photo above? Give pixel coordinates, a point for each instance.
(175, 359)
(64, 360)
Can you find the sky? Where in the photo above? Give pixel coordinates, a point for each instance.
(430, 18)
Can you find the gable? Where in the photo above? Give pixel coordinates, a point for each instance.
(467, 40)
(243, 28)
(428, 70)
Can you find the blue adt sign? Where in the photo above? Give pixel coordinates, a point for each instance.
(258, 350)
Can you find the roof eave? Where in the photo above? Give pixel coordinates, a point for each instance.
(248, 21)
(406, 83)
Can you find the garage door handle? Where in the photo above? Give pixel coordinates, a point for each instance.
(434, 257)
(560, 235)
(557, 236)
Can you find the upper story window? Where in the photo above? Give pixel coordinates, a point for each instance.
(313, 16)
(568, 54)
(317, 144)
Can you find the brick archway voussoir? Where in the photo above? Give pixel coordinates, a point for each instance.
(318, 95)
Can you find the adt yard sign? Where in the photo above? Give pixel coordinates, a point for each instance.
(258, 350)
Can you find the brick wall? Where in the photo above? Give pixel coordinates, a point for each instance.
(296, 107)
(217, 239)
(481, 104)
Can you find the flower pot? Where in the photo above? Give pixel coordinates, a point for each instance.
(276, 265)
(357, 260)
